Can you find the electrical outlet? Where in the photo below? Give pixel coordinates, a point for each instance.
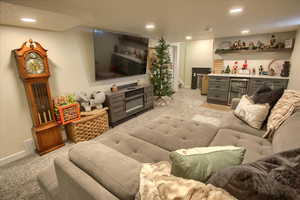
(29, 146)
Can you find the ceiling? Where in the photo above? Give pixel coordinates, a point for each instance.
(174, 19)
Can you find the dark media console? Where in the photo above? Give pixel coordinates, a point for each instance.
(129, 101)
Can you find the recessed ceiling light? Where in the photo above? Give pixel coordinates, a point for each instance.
(150, 26)
(28, 20)
(188, 37)
(245, 31)
(235, 10)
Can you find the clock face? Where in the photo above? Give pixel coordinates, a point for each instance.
(34, 64)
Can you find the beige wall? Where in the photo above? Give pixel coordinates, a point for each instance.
(71, 59)
(182, 55)
(295, 65)
(198, 54)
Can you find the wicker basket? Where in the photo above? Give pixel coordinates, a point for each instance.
(88, 127)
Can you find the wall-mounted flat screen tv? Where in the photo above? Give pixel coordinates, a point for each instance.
(119, 55)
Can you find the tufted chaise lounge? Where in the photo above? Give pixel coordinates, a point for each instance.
(107, 168)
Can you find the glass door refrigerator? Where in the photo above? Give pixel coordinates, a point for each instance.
(238, 88)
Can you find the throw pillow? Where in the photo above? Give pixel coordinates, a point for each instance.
(200, 163)
(266, 95)
(253, 114)
(274, 177)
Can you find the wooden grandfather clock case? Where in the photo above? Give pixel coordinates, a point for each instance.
(33, 69)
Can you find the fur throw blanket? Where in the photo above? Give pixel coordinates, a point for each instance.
(285, 107)
(276, 177)
(157, 183)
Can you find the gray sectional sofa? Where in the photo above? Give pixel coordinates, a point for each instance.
(107, 168)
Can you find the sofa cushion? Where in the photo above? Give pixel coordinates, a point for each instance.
(171, 134)
(287, 136)
(256, 147)
(229, 121)
(118, 173)
(135, 148)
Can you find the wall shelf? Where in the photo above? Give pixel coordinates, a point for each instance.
(245, 51)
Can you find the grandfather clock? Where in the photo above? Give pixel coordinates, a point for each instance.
(34, 71)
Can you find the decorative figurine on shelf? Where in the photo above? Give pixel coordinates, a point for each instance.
(240, 45)
(227, 70)
(285, 72)
(260, 69)
(235, 45)
(260, 45)
(251, 46)
(235, 67)
(244, 45)
(273, 41)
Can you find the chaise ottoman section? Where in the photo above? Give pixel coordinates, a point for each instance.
(75, 184)
(256, 147)
(116, 172)
(172, 134)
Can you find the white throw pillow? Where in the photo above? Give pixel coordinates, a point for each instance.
(252, 114)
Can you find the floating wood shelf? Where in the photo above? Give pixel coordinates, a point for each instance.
(245, 51)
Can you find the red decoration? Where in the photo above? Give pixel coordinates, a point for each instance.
(245, 65)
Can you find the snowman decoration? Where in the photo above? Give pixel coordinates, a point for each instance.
(89, 102)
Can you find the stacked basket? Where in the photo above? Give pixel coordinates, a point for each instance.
(91, 125)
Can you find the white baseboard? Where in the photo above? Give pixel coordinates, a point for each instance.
(29, 148)
(13, 157)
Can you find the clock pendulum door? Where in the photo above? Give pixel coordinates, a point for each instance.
(42, 103)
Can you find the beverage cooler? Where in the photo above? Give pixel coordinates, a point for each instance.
(238, 88)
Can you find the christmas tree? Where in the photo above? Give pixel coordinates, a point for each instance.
(161, 71)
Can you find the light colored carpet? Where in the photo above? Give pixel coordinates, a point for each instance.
(216, 107)
(18, 179)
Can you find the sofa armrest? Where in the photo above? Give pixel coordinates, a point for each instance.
(234, 103)
(74, 184)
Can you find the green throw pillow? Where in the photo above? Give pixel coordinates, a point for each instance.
(200, 163)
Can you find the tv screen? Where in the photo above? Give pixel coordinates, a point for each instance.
(119, 55)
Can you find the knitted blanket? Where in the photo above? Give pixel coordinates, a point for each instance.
(285, 107)
(157, 183)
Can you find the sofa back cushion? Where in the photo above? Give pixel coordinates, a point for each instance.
(118, 173)
(288, 135)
